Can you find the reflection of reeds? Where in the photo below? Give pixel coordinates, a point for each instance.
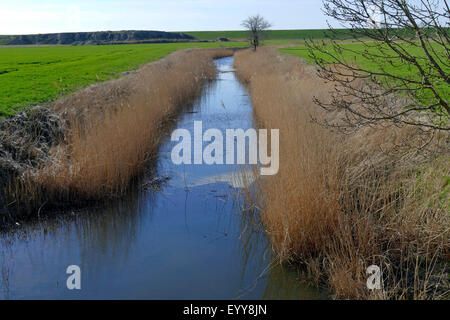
(280, 285)
(114, 130)
(341, 203)
(94, 239)
(5, 271)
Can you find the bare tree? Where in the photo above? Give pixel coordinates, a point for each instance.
(256, 26)
(392, 34)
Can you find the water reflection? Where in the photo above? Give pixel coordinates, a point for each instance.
(189, 240)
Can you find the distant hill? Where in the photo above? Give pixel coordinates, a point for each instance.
(101, 37)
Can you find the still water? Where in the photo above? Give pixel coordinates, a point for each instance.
(190, 239)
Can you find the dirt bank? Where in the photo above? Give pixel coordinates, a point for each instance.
(25, 143)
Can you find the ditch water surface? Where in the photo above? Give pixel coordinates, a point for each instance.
(190, 239)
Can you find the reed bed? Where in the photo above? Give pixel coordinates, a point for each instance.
(113, 131)
(343, 202)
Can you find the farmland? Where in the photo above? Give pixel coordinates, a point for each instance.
(352, 56)
(32, 75)
(35, 75)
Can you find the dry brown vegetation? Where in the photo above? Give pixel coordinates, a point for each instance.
(341, 203)
(113, 130)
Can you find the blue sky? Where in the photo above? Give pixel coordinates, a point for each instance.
(26, 16)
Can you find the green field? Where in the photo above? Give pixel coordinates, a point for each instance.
(397, 67)
(34, 75)
(270, 35)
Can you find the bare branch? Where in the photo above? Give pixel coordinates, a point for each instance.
(405, 75)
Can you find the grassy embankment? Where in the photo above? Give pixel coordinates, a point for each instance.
(270, 34)
(113, 131)
(35, 75)
(271, 37)
(341, 203)
(278, 35)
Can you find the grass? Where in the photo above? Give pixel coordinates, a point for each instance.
(396, 67)
(35, 75)
(343, 202)
(270, 35)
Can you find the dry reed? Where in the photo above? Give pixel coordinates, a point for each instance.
(341, 203)
(114, 130)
